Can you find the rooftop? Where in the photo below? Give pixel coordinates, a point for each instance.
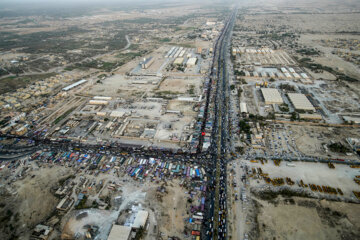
(119, 232)
(300, 101)
(271, 96)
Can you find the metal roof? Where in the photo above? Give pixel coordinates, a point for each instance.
(271, 96)
(300, 101)
(119, 232)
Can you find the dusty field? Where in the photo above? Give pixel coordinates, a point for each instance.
(301, 218)
(174, 85)
(310, 140)
(123, 85)
(305, 22)
(186, 108)
(181, 85)
(171, 209)
(31, 201)
(312, 173)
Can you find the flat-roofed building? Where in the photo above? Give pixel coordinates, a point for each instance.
(310, 116)
(179, 61)
(140, 219)
(243, 107)
(119, 232)
(191, 62)
(271, 96)
(74, 85)
(98, 102)
(301, 102)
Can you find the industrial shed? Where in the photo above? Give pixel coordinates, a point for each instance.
(300, 101)
(117, 114)
(191, 62)
(140, 219)
(243, 107)
(98, 102)
(271, 96)
(74, 85)
(120, 233)
(178, 61)
(310, 116)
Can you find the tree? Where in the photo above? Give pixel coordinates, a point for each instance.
(293, 116)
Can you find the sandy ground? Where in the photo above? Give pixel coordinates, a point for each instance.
(181, 85)
(315, 173)
(32, 201)
(310, 140)
(308, 219)
(329, 59)
(170, 210)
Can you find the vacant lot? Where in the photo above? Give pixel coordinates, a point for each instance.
(302, 219)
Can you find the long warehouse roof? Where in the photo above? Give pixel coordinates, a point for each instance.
(300, 101)
(74, 85)
(271, 96)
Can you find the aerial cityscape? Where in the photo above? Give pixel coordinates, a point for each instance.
(175, 120)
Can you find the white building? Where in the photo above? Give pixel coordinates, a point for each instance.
(271, 96)
(119, 232)
(243, 107)
(191, 62)
(300, 101)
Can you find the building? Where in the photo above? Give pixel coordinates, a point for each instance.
(147, 62)
(304, 75)
(102, 98)
(354, 143)
(141, 219)
(306, 116)
(191, 62)
(271, 96)
(243, 107)
(179, 61)
(301, 102)
(354, 119)
(117, 114)
(41, 232)
(120, 233)
(65, 204)
(98, 102)
(74, 85)
(186, 99)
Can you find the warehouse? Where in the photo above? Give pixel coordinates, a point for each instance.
(178, 61)
(74, 85)
(98, 102)
(117, 114)
(140, 219)
(306, 116)
(271, 96)
(102, 98)
(120, 233)
(304, 75)
(147, 62)
(191, 62)
(300, 101)
(243, 107)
